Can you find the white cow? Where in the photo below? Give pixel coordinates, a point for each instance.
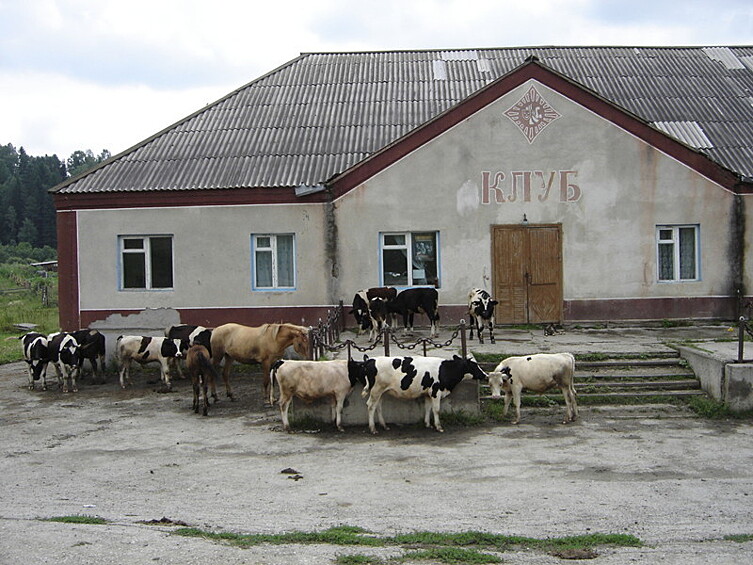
(538, 373)
(145, 350)
(312, 380)
(412, 377)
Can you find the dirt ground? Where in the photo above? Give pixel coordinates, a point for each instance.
(677, 482)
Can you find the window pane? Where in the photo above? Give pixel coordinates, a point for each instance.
(666, 262)
(263, 269)
(665, 235)
(394, 239)
(133, 243)
(263, 242)
(687, 254)
(285, 261)
(424, 258)
(162, 262)
(134, 270)
(395, 267)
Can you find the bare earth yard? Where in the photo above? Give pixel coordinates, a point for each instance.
(677, 482)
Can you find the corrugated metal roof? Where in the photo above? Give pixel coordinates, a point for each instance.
(322, 113)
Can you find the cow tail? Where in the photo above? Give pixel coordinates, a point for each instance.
(572, 376)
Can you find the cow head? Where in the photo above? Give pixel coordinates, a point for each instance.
(471, 367)
(499, 381)
(483, 305)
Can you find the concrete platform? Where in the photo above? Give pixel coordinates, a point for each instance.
(464, 398)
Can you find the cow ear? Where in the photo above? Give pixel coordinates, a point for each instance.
(493, 302)
(365, 357)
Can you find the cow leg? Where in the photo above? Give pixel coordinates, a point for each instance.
(471, 325)
(75, 371)
(284, 405)
(427, 411)
(435, 405)
(374, 405)
(338, 405)
(31, 376)
(516, 399)
(164, 368)
(125, 371)
(59, 375)
(491, 331)
(508, 397)
(195, 386)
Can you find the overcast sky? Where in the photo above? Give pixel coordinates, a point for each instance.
(106, 74)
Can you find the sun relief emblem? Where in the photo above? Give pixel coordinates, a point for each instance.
(532, 114)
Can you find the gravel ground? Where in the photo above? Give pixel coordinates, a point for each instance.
(677, 482)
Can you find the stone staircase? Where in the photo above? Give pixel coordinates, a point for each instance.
(624, 379)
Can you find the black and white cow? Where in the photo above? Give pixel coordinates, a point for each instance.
(417, 300)
(188, 335)
(481, 312)
(91, 347)
(145, 349)
(371, 309)
(410, 378)
(64, 356)
(37, 356)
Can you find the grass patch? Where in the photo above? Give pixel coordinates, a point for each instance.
(452, 555)
(459, 547)
(739, 538)
(358, 559)
(77, 519)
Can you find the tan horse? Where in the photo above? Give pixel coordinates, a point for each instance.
(264, 344)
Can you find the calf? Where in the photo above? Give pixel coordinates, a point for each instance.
(188, 335)
(370, 309)
(481, 311)
(410, 378)
(91, 346)
(64, 356)
(36, 354)
(200, 368)
(311, 380)
(415, 300)
(144, 349)
(538, 373)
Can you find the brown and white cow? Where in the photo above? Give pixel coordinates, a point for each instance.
(145, 349)
(37, 356)
(481, 312)
(409, 378)
(417, 300)
(371, 309)
(312, 380)
(64, 356)
(538, 373)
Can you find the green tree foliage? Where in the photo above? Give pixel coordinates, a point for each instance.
(27, 212)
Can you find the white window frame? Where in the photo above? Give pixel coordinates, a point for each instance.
(407, 247)
(674, 242)
(146, 251)
(272, 249)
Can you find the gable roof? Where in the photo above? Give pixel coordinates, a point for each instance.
(322, 114)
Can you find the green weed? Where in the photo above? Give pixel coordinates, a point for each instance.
(77, 519)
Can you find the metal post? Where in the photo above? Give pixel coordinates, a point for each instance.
(463, 343)
(740, 339)
(386, 341)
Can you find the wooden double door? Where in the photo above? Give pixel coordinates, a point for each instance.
(527, 264)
